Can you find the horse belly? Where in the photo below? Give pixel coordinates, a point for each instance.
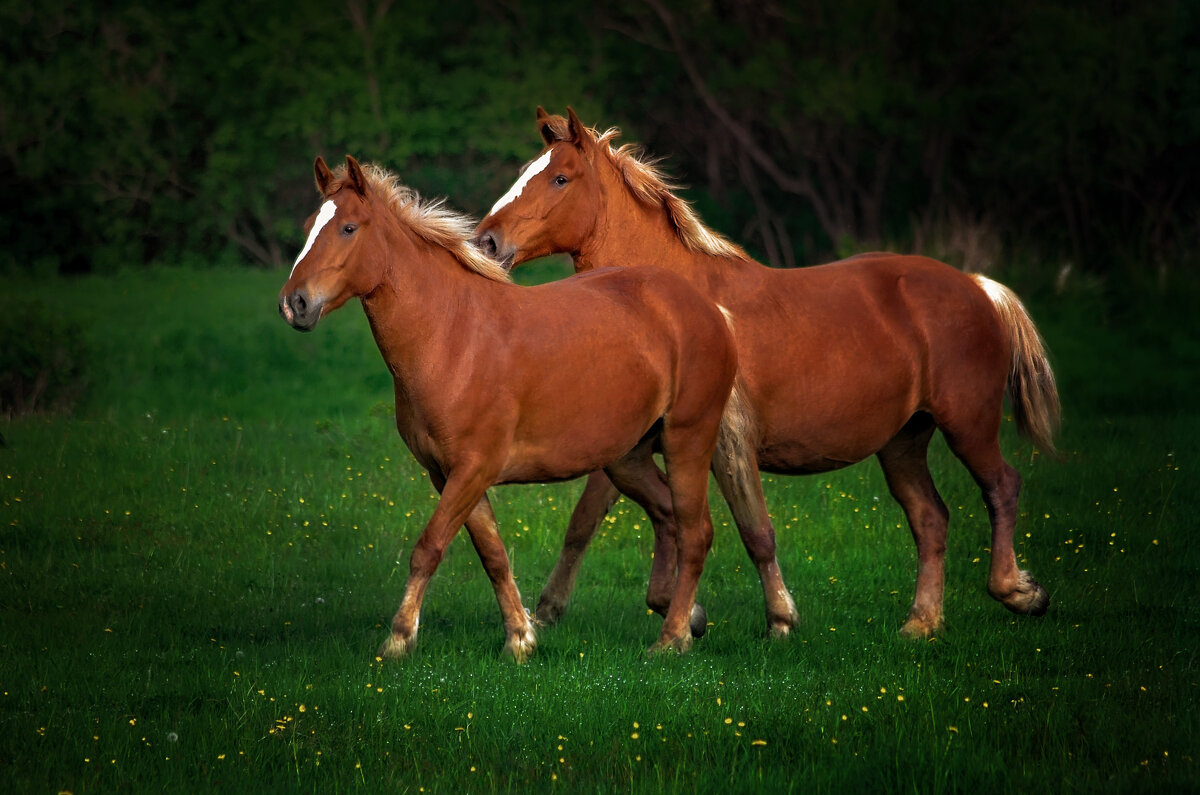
(576, 451)
(550, 463)
(816, 446)
(833, 363)
(830, 415)
(576, 431)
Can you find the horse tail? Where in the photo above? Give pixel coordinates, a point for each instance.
(737, 448)
(1031, 386)
(736, 452)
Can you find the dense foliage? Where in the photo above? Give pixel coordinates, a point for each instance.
(135, 132)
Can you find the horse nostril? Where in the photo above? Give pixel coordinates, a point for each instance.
(299, 304)
(487, 242)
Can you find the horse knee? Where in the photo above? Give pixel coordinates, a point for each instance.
(424, 559)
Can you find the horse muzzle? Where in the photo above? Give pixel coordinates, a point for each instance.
(491, 245)
(300, 310)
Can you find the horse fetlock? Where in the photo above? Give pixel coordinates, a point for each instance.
(1026, 596)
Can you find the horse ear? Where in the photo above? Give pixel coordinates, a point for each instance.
(552, 127)
(577, 133)
(358, 180)
(324, 176)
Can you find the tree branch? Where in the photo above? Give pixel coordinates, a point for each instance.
(786, 181)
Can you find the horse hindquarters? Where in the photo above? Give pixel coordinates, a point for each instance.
(1031, 386)
(692, 341)
(971, 371)
(1034, 397)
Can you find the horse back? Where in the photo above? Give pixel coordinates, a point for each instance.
(838, 357)
(662, 315)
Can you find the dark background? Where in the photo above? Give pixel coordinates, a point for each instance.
(1046, 132)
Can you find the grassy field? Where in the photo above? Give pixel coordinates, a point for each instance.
(197, 566)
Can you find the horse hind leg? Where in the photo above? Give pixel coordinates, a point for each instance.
(906, 469)
(738, 479)
(1012, 586)
(594, 504)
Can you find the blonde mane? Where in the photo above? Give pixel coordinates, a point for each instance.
(431, 221)
(650, 185)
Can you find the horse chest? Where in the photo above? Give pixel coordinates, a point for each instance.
(419, 431)
(439, 426)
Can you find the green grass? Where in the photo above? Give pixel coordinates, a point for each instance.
(197, 566)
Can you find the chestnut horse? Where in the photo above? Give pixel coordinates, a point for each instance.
(497, 383)
(867, 356)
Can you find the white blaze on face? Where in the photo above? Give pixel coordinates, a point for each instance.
(535, 168)
(326, 212)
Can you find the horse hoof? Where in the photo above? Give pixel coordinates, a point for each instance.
(698, 621)
(1028, 598)
(548, 613)
(920, 629)
(782, 626)
(672, 645)
(521, 645)
(395, 647)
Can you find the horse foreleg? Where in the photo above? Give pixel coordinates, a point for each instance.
(594, 504)
(459, 497)
(518, 629)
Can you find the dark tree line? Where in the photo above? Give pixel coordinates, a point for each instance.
(140, 133)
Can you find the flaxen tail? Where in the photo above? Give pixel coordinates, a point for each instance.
(736, 452)
(1031, 387)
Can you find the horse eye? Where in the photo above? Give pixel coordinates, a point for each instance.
(349, 229)
(560, 180)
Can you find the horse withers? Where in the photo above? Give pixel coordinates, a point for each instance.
(497, 383)
(839, 362)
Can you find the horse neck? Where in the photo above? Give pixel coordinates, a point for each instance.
(631, 232)
(425, 294)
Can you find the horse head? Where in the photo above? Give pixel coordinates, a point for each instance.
(554, 204)
(335, 263)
